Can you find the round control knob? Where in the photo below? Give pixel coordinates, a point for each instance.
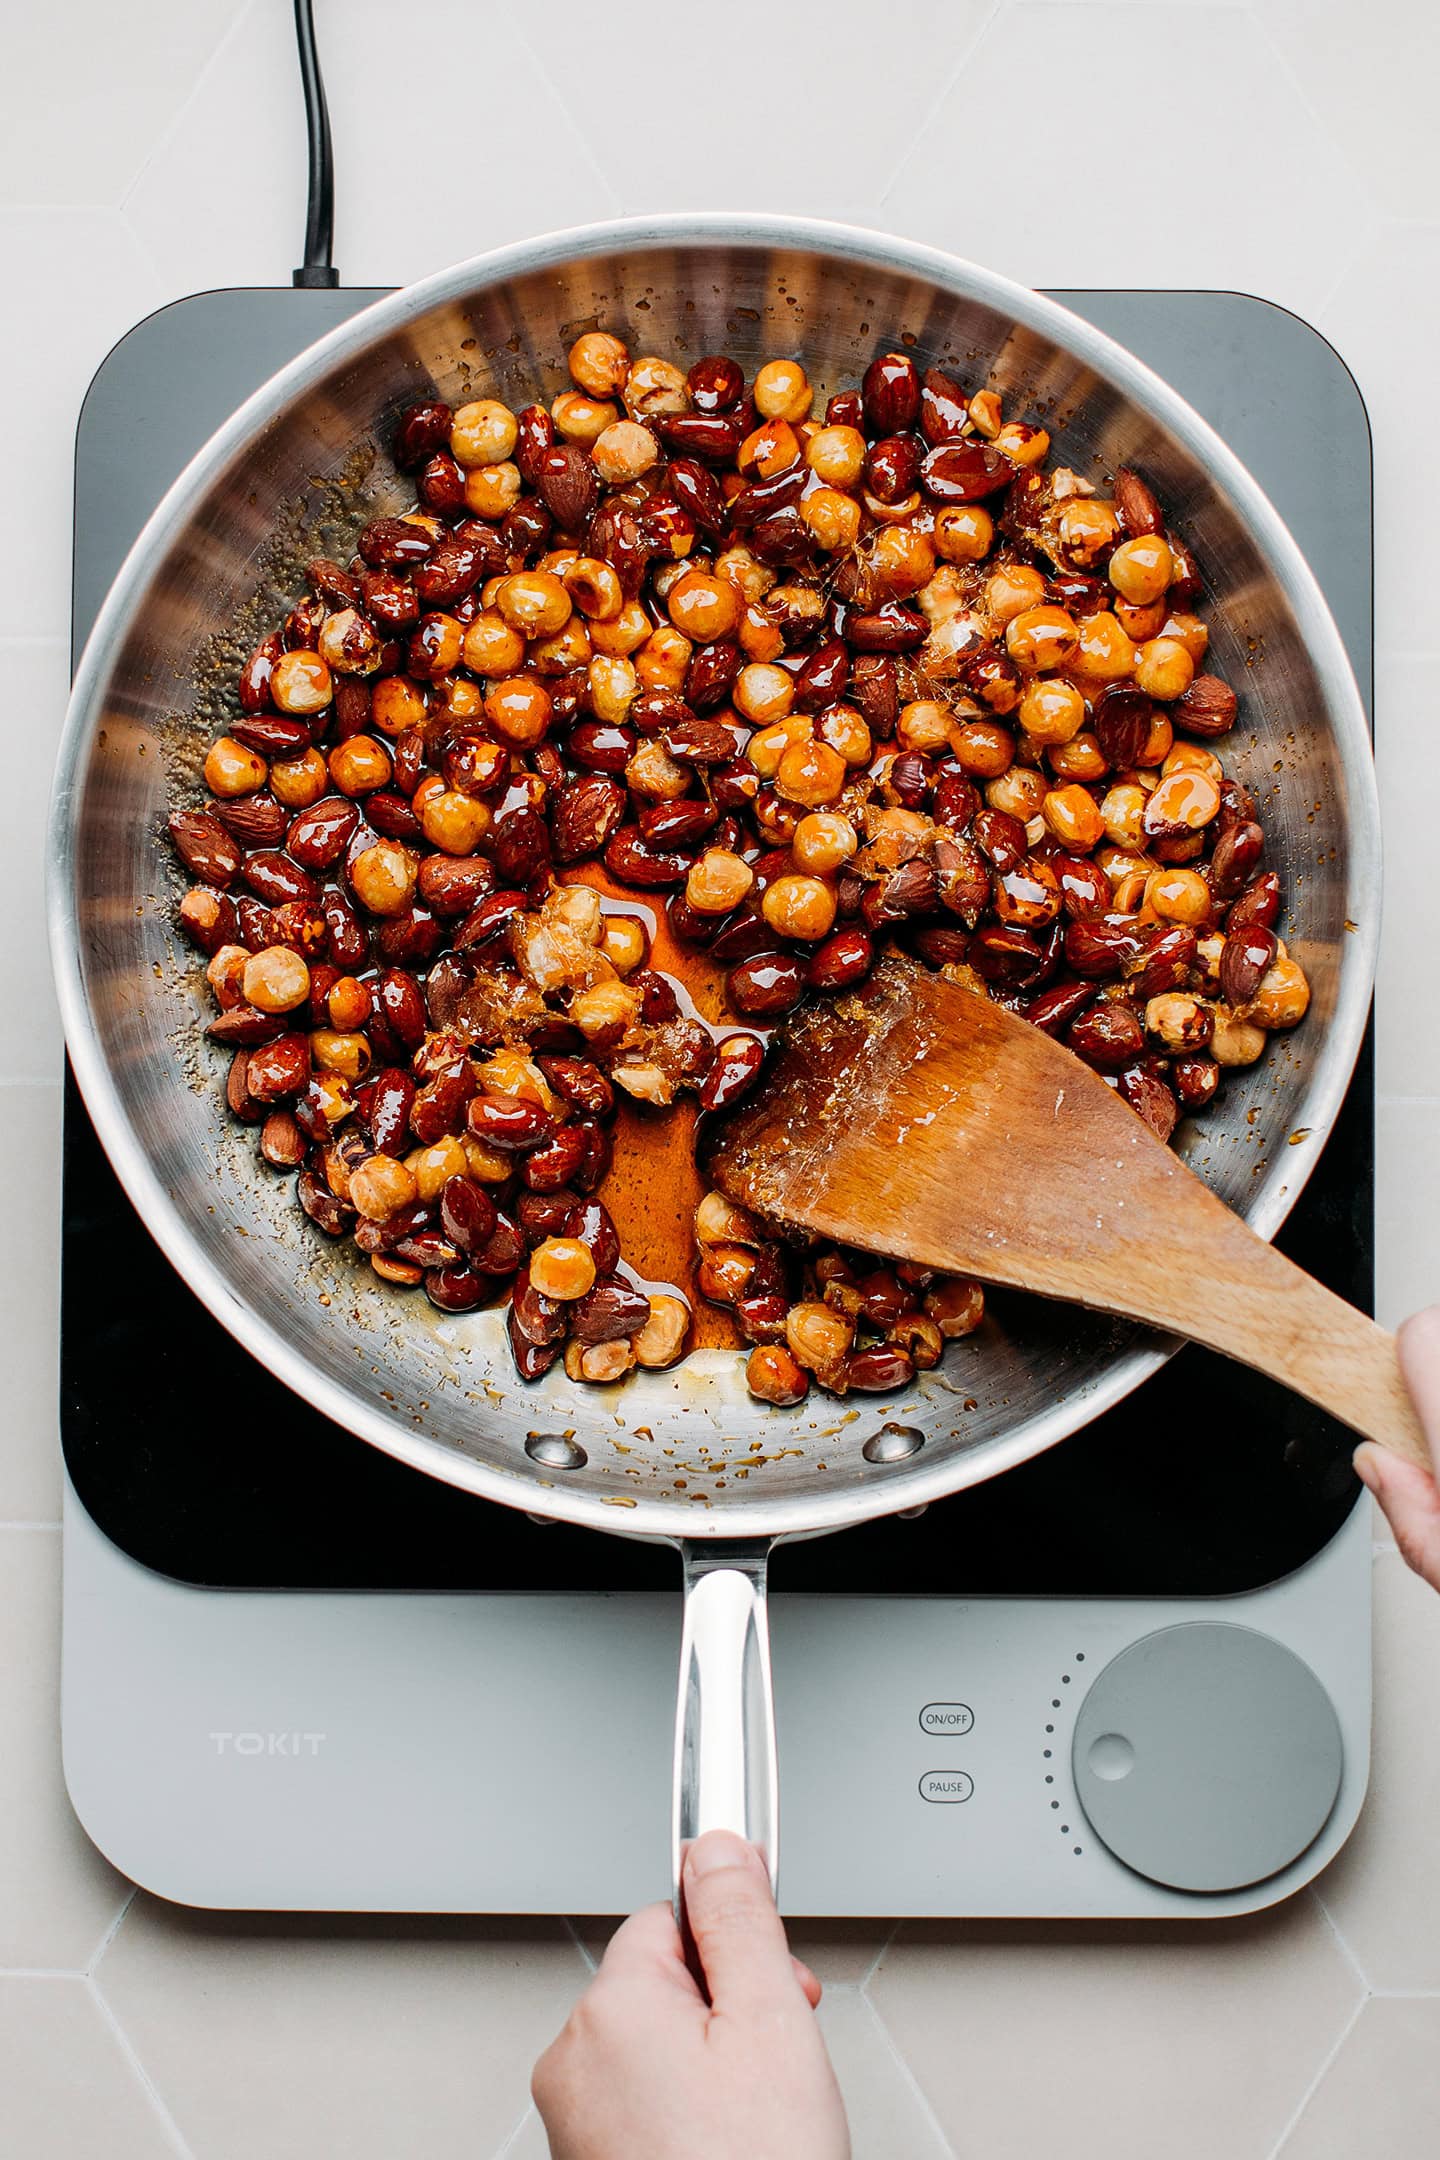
(1207, 1757)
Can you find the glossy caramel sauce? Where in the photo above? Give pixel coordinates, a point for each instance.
(654, 1188)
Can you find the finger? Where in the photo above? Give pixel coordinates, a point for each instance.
(1418, 1343)
(648, 1945)
(810, 1986)
(1410, 1500)
(737, 1931)
(547, 2079)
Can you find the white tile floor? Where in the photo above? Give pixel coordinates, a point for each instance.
(1283, 146)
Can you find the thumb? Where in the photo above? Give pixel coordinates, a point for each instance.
(738, 1933)
(1418, 1343)
(1411, 1506)
(1408, 1496)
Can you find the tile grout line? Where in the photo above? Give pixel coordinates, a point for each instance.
(1293, 2124)
(936, 107)
(606, 179)
(874, 1966)
(42, 1972)
(907, 2076)
(531, 2114)
(29, 1526)
(1357, 172)
(142, 2076)
(110, 1933)
(1337, 286)
(1345, 1950)
(937, 104)
(164, 278)
(591, 1964)
(197, 84)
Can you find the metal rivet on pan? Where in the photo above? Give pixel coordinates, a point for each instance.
(911, 1514)
(893, 1443)
(557, 1451)
(546, 1522)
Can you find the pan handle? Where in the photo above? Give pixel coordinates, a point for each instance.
(725, 1764)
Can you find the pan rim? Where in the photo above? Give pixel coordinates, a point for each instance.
(889, 1488)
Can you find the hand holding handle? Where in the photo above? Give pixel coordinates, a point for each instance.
(725, 1763)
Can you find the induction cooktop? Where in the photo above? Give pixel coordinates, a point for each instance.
(299, 1673)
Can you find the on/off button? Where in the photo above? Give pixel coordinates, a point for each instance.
(947, 1720)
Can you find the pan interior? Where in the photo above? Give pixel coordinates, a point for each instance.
(679, 1452)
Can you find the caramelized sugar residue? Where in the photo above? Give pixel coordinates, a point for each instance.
(655, 1186)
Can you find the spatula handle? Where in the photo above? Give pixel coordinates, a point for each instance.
(1270, 1314)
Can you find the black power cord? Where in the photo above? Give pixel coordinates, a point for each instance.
(317, 268)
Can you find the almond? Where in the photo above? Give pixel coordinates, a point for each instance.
(710, 674)
(610, 1312)
(874, 686)
(1185, 580)
(913, 889)
(891, 394)
(1246, 958)
(569, 485)
(962, 472)
(584, 813)
(1151, 1100)
(204, 846)
(700, 742)
(1137, 505)
(943, 409)
(1208, 707)
(1121, 720)
(1237, 854)
(257, 820)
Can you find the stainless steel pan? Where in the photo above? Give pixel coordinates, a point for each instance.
(686, 1456)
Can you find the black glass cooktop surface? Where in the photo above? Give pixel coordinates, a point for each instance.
(199, 1464)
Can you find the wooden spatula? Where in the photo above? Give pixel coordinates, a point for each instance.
(918, 1120)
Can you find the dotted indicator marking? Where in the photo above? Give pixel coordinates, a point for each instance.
(1048, 1754)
